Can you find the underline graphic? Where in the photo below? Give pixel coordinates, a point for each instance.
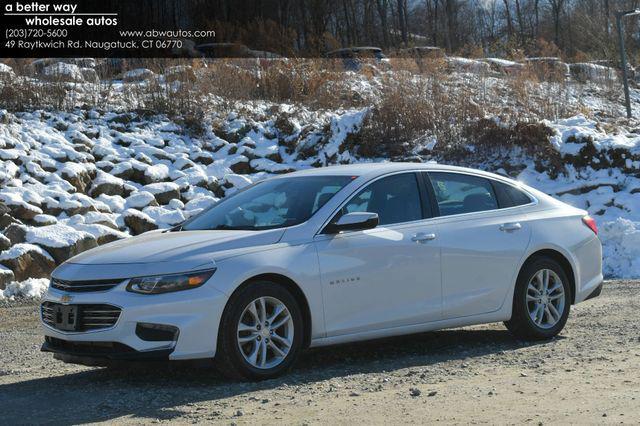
(60, 14)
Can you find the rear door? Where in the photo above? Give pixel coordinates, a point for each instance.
(388, 276)
(482, 242)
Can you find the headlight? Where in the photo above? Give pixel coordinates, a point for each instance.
(169, 283)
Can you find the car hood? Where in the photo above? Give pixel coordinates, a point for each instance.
(164, 252)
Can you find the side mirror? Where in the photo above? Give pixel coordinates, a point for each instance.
(357, 221)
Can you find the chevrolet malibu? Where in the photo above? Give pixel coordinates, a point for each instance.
(327, 256)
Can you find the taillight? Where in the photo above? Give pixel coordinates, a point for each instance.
(591, 223)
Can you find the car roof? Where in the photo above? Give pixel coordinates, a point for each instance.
(371, 170)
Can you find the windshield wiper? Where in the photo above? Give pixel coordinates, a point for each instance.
(234, 228)
(176, 228)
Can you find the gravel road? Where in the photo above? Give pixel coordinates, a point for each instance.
(471, 375)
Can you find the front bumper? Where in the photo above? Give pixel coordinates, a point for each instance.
(99, 353)
(195, 313)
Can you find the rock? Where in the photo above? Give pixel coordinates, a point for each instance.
(157, 173)
(6, 72)
(61, 241)
(415, 392)
(138, 222)
(16, 233)
(44, 220)
(77, 176)
(24, 211)
(202, 158)
(106, 184)
(140, 200)
(104, 234)
(4, 209)
(242, 166)
(432, 393)
(6, 277)
(6, 220)
(61, 71)
(27, 261)
(163, 192)
(5, 243)
(138, 74)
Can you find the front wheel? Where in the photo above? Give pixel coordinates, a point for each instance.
(541, 301)
(261, 332)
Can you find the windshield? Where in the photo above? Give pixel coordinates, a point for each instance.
(276, 203)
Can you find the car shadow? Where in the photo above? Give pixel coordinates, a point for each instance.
(157, 390)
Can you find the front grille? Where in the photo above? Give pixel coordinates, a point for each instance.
(84, 286)
(79, 317)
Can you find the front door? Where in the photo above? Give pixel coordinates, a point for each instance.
(388, 276)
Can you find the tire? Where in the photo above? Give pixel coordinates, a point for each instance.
(233, 359)
(528, 321)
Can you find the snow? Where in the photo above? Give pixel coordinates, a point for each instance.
(32, 288)
(106, 178)
(58, 235)
(160, 187)
(581, 128)
(163, 216)
(503, 62)
(238, 181)
(139, 200)
(157, 173)
(6, 70)
(621, 248)
(72, 169)
(45, 219)
(21, 249)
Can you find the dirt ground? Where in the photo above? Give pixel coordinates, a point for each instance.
(590, 374)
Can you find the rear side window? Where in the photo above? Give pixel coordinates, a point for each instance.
(396, 199)
(457, 193)
(509, 196)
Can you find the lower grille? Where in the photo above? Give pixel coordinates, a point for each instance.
(84, 286)
(79, 317)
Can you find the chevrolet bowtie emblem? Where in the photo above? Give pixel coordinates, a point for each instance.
(66, 298)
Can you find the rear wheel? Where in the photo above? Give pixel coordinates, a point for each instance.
(261, 332)
(541, 301)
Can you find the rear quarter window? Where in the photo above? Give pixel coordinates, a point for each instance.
(509, 196)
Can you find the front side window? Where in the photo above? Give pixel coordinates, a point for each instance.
(396, 199)
(276, 203)
(458, 193)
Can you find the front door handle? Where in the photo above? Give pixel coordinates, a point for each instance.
(422, 237)
(510, 227)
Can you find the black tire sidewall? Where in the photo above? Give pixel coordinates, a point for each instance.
(231, 316)
(520, 299)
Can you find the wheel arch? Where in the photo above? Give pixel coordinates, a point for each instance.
(559, 257)
(295, 290)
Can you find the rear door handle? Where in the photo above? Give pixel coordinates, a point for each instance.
(510, 227)
(423, 237)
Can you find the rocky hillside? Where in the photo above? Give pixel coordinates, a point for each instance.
(72, 181)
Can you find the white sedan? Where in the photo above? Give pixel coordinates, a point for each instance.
(327, 256)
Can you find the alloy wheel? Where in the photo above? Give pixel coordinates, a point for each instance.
(265, 332)
(545, 298)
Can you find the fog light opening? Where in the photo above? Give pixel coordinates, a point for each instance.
(156, 332)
